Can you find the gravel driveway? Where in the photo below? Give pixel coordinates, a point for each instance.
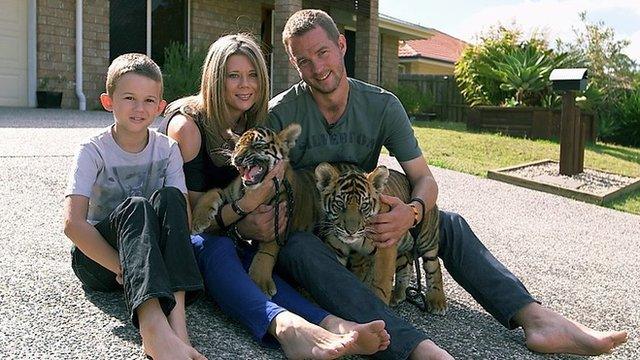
(577, 258)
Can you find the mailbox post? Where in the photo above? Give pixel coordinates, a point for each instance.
(571, 130)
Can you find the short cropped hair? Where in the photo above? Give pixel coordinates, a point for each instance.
(139, 64)
(306, 20)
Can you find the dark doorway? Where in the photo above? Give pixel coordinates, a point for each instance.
(127, 27)
(350, 56)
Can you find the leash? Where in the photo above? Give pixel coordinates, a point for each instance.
(415, 295)
(282, 241)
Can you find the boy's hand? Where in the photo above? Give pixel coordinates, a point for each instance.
(119, 278)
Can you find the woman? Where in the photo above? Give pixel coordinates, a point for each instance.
(233, 95)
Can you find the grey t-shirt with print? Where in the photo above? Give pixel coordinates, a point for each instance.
(107, 175)
(373, 118)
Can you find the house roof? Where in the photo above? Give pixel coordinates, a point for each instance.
(404, 30)
(440, 47)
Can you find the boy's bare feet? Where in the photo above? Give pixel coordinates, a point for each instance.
(302, 340)
(428, 350)
(549, 332)
(372, 336)
(177, 318)
(158, 338)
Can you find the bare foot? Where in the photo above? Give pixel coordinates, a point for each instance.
(428, 350)
(162, 343)
(158, 338)
(549, 332)
(177, 319)
(302, 340)
(372, 336)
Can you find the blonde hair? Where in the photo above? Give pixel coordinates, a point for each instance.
(306, 20)
(212, 86)
(132, 63)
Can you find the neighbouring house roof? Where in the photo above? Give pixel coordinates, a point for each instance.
(440, 47)
(404, 30)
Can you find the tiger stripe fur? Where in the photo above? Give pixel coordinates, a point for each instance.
(349, 199)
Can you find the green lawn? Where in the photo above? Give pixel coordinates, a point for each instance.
(451, 146)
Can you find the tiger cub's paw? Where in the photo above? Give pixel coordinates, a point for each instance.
(260, 272)
(397, 298)
(205, 211)
(436, 302)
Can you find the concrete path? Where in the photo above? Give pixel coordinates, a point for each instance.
(577, 258)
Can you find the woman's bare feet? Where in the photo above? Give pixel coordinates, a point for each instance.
(302, 340)
(549, 332)
(372, 336)
(428, 350)
(158, 338)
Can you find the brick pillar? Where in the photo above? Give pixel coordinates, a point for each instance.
(367, 44)
(284, 75)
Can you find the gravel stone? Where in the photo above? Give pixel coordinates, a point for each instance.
(577, 258)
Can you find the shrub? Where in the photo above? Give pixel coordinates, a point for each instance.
(414, 101)
(182, 71)
(503, 67)
(621, 125)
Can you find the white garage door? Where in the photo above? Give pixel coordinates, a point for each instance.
(13, 53)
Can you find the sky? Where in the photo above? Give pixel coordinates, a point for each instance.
(464, 19)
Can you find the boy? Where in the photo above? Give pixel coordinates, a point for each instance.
(126, 212)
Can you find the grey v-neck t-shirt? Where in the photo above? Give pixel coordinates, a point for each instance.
(373, 118)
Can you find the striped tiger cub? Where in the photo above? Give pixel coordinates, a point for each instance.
(349, 198)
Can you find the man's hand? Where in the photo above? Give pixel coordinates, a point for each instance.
(258, 225)
(389, 227)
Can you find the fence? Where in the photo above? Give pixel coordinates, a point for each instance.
(449, 103)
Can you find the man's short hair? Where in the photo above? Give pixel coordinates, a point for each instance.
(132, 63)
(306, 20)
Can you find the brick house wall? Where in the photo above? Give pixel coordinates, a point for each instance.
(209, 20)
(56, 29)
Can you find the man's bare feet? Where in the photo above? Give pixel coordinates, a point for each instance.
(158, 338)
(302, 340)
(372, 336)
(549, 332)
(428, 350)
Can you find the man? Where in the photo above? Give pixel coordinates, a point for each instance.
(346, 120)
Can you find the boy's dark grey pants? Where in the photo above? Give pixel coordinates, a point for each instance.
(153, 243)
(314, 266)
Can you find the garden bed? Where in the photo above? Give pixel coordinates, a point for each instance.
(591, 186)
(529, 122)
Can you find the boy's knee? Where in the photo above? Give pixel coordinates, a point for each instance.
(213, 248)
(168, 195)
(135, 204)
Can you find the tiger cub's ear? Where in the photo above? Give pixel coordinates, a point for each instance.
(378, 178)
(233, 136)
(290, 134)
(326, 177)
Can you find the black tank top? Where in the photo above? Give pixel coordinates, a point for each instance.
(201, 174)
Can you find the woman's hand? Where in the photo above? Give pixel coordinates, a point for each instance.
(261, 194)
(258, 225)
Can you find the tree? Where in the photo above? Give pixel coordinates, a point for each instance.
(612, 74)
(503, 68)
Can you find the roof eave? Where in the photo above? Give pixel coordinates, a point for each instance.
(402, 29)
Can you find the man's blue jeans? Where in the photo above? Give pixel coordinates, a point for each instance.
(314, 266)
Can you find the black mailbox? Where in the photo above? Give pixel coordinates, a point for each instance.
(569, 79)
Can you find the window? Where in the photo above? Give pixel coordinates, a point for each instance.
(129, 29)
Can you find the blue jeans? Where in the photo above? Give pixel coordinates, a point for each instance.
(314, 266)
(224, 270)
